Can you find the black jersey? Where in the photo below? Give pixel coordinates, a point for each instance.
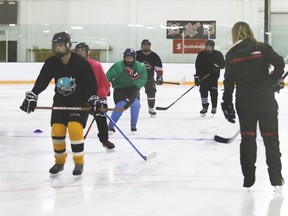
(81, 80)
(151, 61)
(209, 63)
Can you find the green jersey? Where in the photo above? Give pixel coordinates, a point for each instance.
(120, 79)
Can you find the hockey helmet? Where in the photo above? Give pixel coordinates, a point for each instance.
(145, 41)
(83, 46)
(65, 86)
(62, 37)
(129, 52)
(210, 43)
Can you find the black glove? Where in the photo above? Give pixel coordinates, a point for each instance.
(229, 112)
(197, 80)
(159, 80)
(30, 102)
(132, 73)
(103, 106)
(94, 103)
(278, 85)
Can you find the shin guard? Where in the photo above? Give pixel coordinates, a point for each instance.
(75, 130)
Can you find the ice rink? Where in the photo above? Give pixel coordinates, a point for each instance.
(191, 175)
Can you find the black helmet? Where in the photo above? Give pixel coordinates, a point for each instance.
(145, 41)
(62, 37)
(210, 43)
(129, 52)
(82, 45)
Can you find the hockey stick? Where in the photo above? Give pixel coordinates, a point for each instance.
(147, 157)
(89, 128)
(85, 109)
(226, 140)
(165, 108)
(231, 139)
(285, 75)
(175, 83)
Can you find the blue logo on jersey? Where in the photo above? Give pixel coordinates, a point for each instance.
(66, 86)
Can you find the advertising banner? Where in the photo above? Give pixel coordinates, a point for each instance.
(190, 46)
(191, 29)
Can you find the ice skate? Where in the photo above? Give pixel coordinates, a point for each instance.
(111, 130)
(152, 112)
(108, 145)
(133, 129)
(249, 181)
(213, 111)
(204, 111)
(56, 170)
(278, 188)
(78, 170)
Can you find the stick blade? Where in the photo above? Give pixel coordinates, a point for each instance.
(161, 108)
(150, 156)
(225, 140)
(222, 139)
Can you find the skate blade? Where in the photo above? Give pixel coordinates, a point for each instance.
(133, 132)
(77, 177)
(111, 132)
(278, 188)
(152, 116)
(203, 115)
(109, 150)
(54, 176)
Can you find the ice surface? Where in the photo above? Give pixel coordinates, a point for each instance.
(191, 175)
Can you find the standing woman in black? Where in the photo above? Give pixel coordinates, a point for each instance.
(247, 69)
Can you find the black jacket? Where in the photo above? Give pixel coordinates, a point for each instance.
(247, 66)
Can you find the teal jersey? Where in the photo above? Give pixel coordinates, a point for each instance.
(117, 76)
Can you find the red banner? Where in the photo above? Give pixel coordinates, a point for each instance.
(190, 46)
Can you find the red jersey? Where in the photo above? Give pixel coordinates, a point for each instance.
(103, 86)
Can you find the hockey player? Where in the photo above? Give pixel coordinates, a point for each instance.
(127, 76)
(75, 87)
(247, 67)
(103, 91)
(153, 64)
(208, 61)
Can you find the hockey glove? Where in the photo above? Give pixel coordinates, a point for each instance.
(132, 73)
(94, 103)
(159, 80)
(196, 80)
(278, 85)
(30, 102)
(229, 112)
(103, 106)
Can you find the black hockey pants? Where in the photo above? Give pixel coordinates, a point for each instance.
(259, 106)
(206, 86)
(102, 128)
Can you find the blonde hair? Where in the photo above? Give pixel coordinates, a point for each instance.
(240, 31)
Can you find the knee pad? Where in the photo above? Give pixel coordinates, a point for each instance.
(214, 92)
(75, 130)
(120, 104)
(58, 133)
(136, 104)
(58, 130)
(151, 91)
